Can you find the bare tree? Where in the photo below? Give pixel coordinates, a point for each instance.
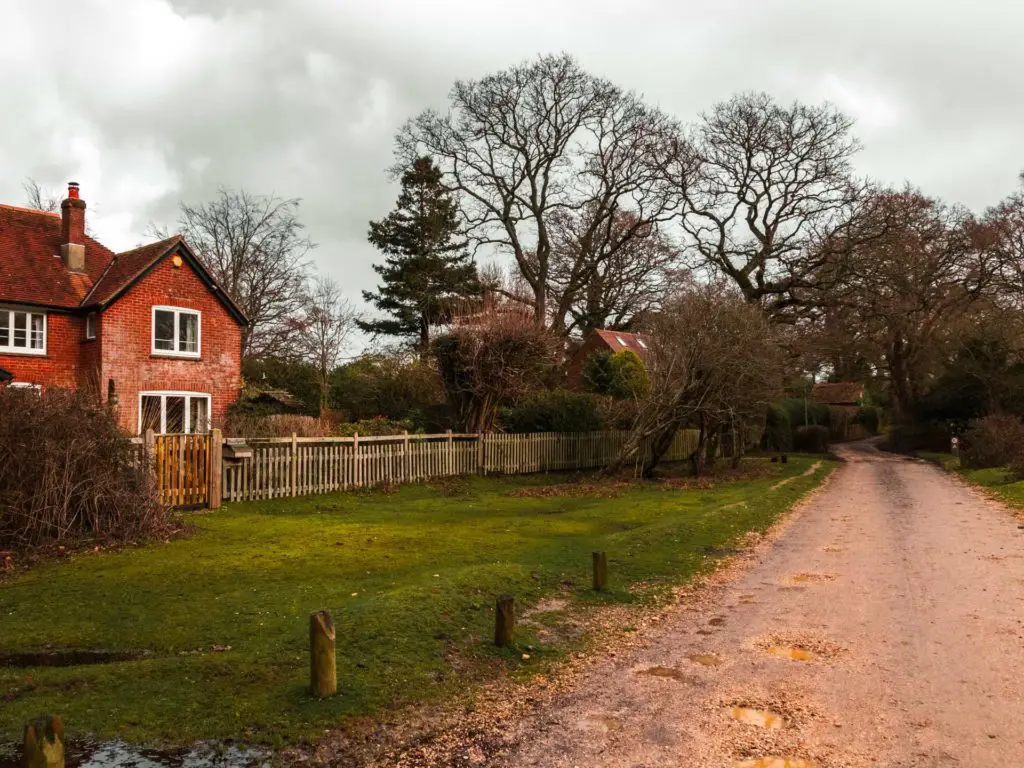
(540, 140)
(714, 362)
(39, 197)
(1002, 233)
(624, 275)
(323, 330)
(256, 249)
(760, 186)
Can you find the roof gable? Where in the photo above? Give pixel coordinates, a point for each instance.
(838, 393)
(619, 340)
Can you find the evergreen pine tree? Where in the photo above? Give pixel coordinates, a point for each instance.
(427, 269)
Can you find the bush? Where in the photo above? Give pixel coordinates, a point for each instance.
(811, 438)
(243, 424)
(68, 473)
(994, 441)
(554, 411)
(390, 386)
(377, 426)
(869, 417)
(778, 432)
(620, 375)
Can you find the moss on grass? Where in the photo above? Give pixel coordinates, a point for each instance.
(410, 576)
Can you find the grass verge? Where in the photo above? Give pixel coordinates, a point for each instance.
(997, 481)
(410, 576)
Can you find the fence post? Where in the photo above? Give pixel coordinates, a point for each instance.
(323, 665)
(406, 471)
(600, 571)
(504, 620)
(480, 454)
(449, 456)
(294, 461)
(215, 482)
(356, 466)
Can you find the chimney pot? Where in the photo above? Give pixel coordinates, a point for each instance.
(73, 190)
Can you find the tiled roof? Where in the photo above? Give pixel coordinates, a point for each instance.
(838, 393)
(127, 266)
(31, 269)
(32, 272)
(616, 340)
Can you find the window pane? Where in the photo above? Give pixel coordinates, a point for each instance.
(37, 338)
(199, 414)
(175, 414)
(188, 332)
(21, 329)
(5, 329)
(90, 326)
(150, 413)
(163, 330)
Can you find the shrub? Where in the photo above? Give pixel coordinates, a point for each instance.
(812, 438)
(778, 433)
(620, 375)
(554, 411)
(377, 426)
(869, 417)
(68, 473)
(242, 424)
(995, 441)
(391, 386)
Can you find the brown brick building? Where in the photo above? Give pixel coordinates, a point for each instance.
(148, 329)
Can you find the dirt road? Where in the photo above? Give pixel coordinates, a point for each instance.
(902, 592)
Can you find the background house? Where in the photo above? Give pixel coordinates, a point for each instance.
(600, 340)
(147, 330)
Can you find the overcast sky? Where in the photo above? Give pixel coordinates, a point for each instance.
(148, 102)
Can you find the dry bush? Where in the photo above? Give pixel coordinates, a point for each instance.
(68, 473)
(995, 441)
(811, 438)
(276, 425)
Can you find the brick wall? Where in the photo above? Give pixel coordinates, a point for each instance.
(574, 373)
(126, 333)
(61, 366)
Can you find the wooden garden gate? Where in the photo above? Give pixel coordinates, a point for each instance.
(182, 465)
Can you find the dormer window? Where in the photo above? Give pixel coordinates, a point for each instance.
(22, 332)
(176, 332)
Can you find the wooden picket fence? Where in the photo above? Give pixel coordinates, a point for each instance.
(182, 466)
(299, 466)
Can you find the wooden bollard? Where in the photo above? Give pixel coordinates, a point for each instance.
(504, 620)
(44, 743)
(600, 571)
(323, 666)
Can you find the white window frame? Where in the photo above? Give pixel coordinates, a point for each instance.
(92, 319)
(622, 341)
(178, 312)
(163, 395)
(10, 349)
(25, 385)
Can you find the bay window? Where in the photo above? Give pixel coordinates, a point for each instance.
(22, 332)
(176, 332)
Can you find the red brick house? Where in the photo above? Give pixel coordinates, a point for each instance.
(603, 340)
(148, 329)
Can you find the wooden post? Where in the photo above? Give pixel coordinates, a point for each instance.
(356, 466)
(43, 745)
(480, 454)
(293, 459)
(216, 473)
(600, 571)
(323, 668)
(504, 620)
(406, 464)
(448, 459)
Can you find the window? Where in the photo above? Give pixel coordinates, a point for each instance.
(90, 325)
(176, 332)
(621, 341)
(25, 385)
(22, 332)
(641, 343)
(174, 412)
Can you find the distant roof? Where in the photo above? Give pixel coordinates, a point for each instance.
(838, 393)
(283, 396)
(5, 376)
(618, 340)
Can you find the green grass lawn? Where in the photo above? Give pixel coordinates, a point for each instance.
(998, 481)
(410, 576)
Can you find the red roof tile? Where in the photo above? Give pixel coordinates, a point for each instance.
(616, 340)
(127, 266)
(838, 393)
(31, 270)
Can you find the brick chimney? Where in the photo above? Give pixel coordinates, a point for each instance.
(72, 230)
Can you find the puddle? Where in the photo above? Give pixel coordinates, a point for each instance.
(706, 659)
(759, 717)
(68, 658)
(790, 652)
(669, 672)
(117, 754)
(774, 762)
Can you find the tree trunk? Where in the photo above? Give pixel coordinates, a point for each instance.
(660, 443)
(697, 457)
